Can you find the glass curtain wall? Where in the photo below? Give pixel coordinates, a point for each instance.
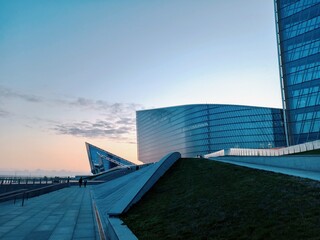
(204, 128)
(298, 37)
(101, 160)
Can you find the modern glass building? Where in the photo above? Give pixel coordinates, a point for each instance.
(204, 128)
(101, 160)
(298, 37)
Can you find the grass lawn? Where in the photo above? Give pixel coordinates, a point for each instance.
(312, 152)
(202, 199)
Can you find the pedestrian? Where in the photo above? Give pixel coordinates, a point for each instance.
(80, 182)
(85, 183)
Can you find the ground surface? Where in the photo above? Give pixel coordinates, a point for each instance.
(201, 199)
(313, 152)
(63, 214)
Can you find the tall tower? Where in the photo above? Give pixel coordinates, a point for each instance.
(298, 38)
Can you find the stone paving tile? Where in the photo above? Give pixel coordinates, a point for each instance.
(45, 227)
(64, 231)
(12, 223)
(84, 220)
(57, 215)
(66, 223)
(39, 235)
(16, 238)
(81, 238)
(6, 229)
(17, 234)
(60, 237)
(83, 233)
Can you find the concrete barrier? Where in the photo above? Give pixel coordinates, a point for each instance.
(144, 184)
(115, 228)
(300, 148)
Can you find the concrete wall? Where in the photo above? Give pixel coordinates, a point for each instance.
(307, 163)
(115, 229)
(300, 148)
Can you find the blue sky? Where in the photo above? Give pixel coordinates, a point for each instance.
(74, 71)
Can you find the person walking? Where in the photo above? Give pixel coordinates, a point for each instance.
(85, 183)
(80, 182)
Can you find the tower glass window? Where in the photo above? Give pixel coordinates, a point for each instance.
(298, 37)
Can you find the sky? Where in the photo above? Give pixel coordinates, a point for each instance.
(76, 71)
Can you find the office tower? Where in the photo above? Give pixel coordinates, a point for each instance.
(298, 38)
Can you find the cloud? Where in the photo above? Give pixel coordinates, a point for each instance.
(9, 93)
(114, 121)
(101, 105)
(118, 122)
(126, 121)
(4, 114)
(123, 131)
(76, 103)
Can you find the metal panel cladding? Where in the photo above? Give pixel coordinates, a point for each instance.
(200, 129)
(298, 37)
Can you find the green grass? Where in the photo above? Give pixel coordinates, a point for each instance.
(312, 152)
(201, 199)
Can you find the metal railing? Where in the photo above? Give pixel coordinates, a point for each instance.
(13, 195)
(25, 194)
(5, 180)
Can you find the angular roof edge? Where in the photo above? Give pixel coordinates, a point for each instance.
(209, 104)
(110, 153)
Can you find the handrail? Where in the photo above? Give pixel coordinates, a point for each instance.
(43, 190)
(6, 194)
(8, 180)
(10, 196)
(25, 194)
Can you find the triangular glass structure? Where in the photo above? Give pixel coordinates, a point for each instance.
(101, 160)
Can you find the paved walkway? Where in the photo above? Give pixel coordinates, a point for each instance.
(63, 214)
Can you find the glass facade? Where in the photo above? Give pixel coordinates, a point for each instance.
(298, 37)
(204, 128)
(101, 160)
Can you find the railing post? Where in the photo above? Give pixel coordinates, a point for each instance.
(22, 199)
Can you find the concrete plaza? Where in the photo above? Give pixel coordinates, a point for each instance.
(63, 214)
